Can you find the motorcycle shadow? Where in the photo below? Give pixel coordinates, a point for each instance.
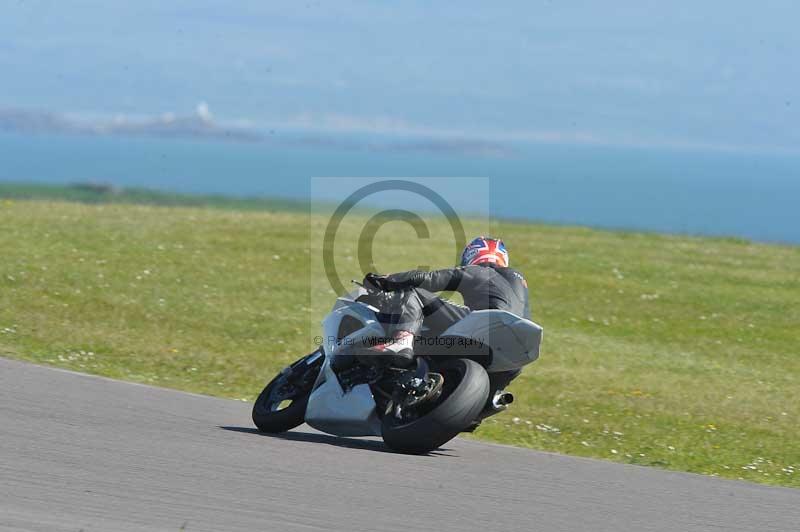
(336, 441)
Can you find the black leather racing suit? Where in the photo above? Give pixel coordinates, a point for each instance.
(482, 286)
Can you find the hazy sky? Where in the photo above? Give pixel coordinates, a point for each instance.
(697, 74)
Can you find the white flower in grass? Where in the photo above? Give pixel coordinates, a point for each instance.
(548, 428)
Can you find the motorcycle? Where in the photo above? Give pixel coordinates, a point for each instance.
(448, 390)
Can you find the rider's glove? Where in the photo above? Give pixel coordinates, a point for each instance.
(374, 281)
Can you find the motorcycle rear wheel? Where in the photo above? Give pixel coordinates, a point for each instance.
(466, 389)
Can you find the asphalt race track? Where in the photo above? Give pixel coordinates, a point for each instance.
(86, 453)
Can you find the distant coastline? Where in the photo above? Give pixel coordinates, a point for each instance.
(198, 125)
(202, 125)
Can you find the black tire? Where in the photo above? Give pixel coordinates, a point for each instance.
(458, 407)
(269, 419)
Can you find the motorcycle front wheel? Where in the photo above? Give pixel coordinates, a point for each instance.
(281, 406)
(465, 391)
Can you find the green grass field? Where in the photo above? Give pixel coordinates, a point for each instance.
(669, 351)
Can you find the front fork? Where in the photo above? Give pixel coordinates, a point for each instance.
(303, 373)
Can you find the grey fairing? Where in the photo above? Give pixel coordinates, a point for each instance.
(330, 409)
(514, 341)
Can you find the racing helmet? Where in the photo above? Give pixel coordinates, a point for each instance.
(484, 249)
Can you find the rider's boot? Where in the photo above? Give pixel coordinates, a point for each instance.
(399, 349)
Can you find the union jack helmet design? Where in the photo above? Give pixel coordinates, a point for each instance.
(485, 249)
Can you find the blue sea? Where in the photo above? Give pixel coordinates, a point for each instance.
(747, 195)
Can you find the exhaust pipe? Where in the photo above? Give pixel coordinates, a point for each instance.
(502, 399)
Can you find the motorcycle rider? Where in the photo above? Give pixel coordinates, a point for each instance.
(484, 280)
